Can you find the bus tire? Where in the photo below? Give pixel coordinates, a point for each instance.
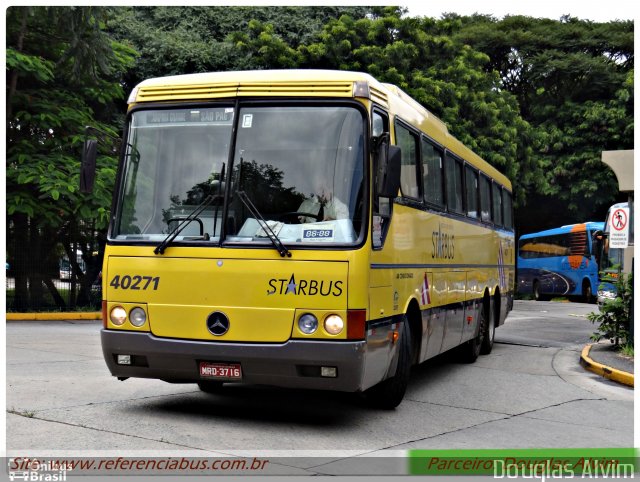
(536, 291)
(210, 386)
(470, 350)
(489, 311)
(389, 393)
(587, 292)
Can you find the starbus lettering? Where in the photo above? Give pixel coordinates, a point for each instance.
(443, 244)
(304, 287)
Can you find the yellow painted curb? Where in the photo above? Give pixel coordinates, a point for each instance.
(603, 370)
(55, 316)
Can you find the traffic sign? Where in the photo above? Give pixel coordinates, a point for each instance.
(619, 228)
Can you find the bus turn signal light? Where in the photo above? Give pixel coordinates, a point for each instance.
(356, 323)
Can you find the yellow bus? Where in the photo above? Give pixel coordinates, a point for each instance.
(298, 228)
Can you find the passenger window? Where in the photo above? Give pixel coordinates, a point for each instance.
(453, 177)
(432, 174)
(508, 209)
(485, 199)
(471, 182)
(497, 204)
(408, 142)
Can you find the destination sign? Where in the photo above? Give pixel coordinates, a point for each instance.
(219, 116)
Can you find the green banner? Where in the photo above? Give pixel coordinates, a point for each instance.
(540, 463)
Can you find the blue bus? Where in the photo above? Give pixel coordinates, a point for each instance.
(559, 262)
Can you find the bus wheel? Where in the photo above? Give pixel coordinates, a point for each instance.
(389, 393)
(470, 350)
(587, 293)
(210, 386)
(490, 326)
(536, 291)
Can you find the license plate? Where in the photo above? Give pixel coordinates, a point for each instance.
(226, 371)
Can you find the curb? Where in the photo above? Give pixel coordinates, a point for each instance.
(54, 316)
(603, 370)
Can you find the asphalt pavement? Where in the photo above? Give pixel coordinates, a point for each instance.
(522, 330)
(530, 392)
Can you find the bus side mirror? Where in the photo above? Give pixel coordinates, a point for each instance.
(389, 162)
(88, 165)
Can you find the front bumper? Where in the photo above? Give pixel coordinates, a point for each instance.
(295, 363)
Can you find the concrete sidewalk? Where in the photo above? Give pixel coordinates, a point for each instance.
(602, 358)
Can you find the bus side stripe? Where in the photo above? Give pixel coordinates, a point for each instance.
(442, 266)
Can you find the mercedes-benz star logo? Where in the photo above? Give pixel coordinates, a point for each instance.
(217, 323)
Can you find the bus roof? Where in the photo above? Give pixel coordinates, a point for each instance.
(307, 83)
(589, 225)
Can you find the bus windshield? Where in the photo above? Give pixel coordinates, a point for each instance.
(300, 166)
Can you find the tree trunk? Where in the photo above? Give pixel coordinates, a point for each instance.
(13, 82)
(94, 267)
(36, 286)
(55, 294)
(21, 239)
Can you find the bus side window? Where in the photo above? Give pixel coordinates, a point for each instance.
(453, 180)
(408, 142)
(508, 209)
(471, 182)
(485, 199)
(497, 204)
(432, 178)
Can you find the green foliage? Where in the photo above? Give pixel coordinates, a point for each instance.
(183, 40)
(573, 80)
(540, 99)
(614, 320)
(63, 74)
(447, 77)
(627, 350)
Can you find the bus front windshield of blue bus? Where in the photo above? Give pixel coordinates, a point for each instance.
(300, 166)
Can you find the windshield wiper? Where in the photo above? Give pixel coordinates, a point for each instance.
(273, 237)
(183, 224)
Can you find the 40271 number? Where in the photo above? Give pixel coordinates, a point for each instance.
(136, 282)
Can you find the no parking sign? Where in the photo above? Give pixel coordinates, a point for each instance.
(619, 228)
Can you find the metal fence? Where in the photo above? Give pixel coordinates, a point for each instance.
(40, 276)
(67, 289)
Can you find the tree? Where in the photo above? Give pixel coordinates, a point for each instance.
(63, 75)
(574, 83)
(448, 78)
(183, 40)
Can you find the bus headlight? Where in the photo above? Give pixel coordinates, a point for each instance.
(333, 324)
(308, 323)
(137, 316)
(118, 315)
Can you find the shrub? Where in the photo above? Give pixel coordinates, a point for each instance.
(614, 318)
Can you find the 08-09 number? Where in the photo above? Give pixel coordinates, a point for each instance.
(135, 282)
